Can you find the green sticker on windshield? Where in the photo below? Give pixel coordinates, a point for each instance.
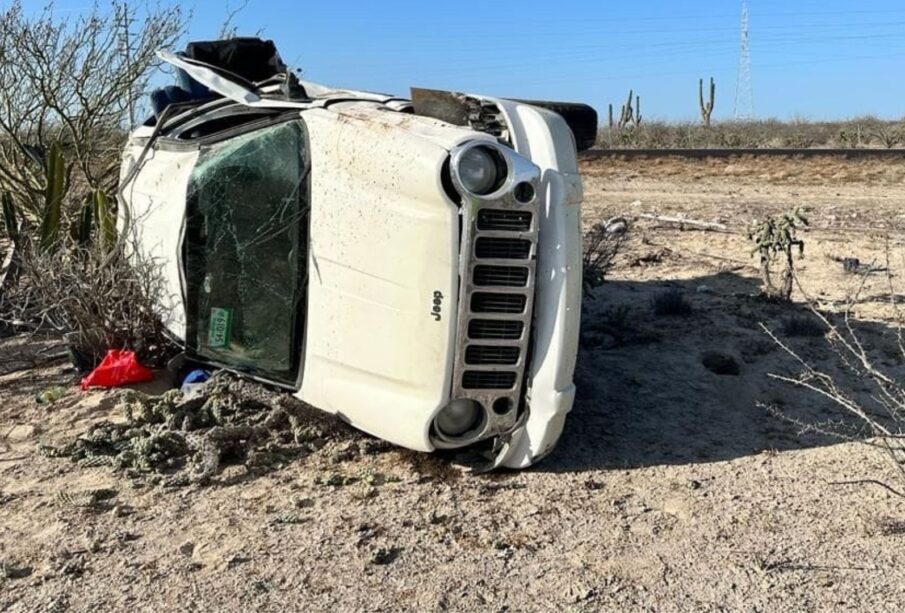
(218, 329)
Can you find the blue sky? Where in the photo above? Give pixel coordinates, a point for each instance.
(814, 59)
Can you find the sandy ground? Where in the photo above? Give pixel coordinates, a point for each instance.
(672, 490)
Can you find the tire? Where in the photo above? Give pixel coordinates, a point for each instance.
(581, 119)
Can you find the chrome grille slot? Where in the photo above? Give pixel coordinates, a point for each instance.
(488, 379)
(485, 302)
(502, 276)
(482, 355)
(495, 248)
(495, 329)
(512, 221)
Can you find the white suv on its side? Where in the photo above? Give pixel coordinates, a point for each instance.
(413, 266)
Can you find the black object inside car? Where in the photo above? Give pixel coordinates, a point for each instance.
(252, 59)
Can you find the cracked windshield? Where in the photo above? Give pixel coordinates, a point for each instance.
(245, 251)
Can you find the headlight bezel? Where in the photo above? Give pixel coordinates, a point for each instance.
(504, 167)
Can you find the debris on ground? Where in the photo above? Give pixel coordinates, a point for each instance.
(87, 499)
(118, 368)
(51, 394)
(177, 439)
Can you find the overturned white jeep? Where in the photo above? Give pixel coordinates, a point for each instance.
(412, 266)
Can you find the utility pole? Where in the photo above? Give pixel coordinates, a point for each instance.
(125, 47)
(744, 96)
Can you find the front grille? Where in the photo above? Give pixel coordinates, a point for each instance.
(483, 302)
(484, 355)
(512, 221)
(502, 276)
(493, 248)
(495, 329)
(497, 268)
(488, 379)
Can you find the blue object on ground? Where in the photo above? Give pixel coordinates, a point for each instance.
(194, 379)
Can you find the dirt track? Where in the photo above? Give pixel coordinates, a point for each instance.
(670, 491)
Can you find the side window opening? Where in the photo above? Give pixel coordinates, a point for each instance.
(245, 252)
(228, 119)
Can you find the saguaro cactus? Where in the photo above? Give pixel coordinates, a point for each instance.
(706, 107)
(628, 113)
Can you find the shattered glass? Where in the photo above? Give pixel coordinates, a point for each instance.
(246, 251)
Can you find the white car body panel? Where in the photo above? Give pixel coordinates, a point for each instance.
(381, 246)
(156, 199)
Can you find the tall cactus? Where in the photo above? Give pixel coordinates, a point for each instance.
(637, 120)
(57, 177)
(81, 231)
(106, 221)
(706, 107)
(628, 113)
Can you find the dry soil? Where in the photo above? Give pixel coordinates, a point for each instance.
(671, 490)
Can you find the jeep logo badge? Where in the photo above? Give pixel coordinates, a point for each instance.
(438, 306)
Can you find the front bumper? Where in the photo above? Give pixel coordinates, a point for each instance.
(557, 308)
(557, 312)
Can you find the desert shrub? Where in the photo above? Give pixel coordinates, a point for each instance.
(888, 136)
(618, 317)
(802, 326)
(99, 300)
(601, 246)
(69, 85)
(868, 395)
(612, 327)
(670, 303)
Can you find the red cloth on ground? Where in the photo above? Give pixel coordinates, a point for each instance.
(118, 368)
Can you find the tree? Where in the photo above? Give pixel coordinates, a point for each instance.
(73, 83)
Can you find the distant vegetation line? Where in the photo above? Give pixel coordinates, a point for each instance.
(859, 133)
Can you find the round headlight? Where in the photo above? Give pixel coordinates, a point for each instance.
(458, 417)
(480, 170)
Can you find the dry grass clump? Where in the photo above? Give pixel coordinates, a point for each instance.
(671, 303)
(601, 246)
(98, 300)
(802, 326)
